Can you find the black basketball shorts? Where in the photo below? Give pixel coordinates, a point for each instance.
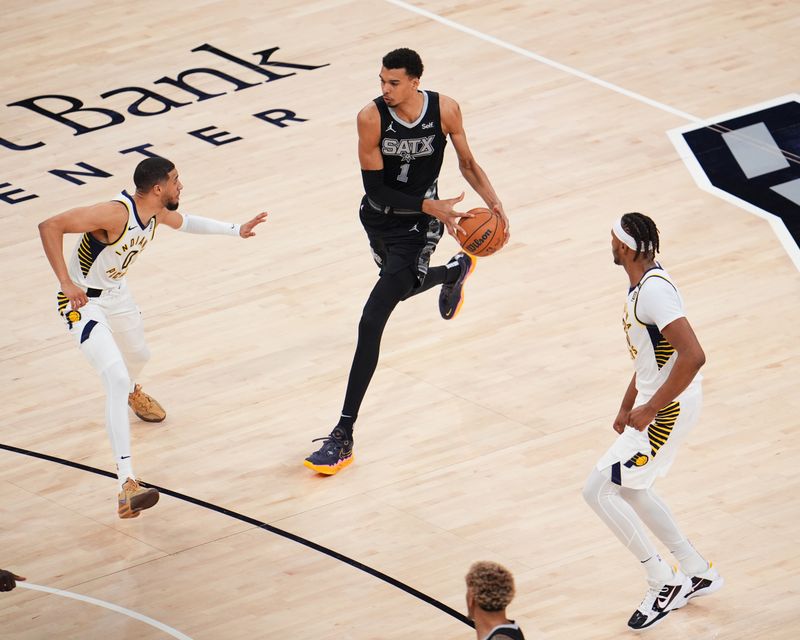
(401, 242)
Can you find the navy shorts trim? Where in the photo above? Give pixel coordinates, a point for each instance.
(87, 330)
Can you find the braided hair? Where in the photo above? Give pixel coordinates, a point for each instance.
(644, 232)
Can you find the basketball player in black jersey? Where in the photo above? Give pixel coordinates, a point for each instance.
(401, 139)
(490, 589)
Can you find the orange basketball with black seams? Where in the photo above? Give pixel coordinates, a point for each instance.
(485, 232)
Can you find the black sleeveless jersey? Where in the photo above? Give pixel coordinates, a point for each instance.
(506, 632)
(412, 152)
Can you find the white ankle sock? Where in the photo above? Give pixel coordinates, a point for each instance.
(658, 571)
(692, 562)
(124, 470)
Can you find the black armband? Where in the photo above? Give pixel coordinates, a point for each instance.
(390, 201)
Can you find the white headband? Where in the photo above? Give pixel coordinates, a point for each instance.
(623, 236)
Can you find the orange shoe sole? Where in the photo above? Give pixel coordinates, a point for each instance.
(329, 470)
(469, 273)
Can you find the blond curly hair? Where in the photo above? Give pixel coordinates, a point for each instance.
(492, 585)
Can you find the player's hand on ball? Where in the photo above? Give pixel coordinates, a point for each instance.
(498, 209)
(444, 211)
(246, 230)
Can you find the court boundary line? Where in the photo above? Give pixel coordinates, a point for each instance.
(785, 238)
(546, 61)
(260, 525)
(107, 605)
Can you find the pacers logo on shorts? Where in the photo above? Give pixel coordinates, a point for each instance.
(72, 317)
(638, 460)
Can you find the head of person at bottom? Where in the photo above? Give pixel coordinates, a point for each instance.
(490, 589)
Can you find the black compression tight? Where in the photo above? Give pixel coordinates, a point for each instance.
(387, 292)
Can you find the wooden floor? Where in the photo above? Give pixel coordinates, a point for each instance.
(476, 435)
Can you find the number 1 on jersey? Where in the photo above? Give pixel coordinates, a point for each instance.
(403, 177)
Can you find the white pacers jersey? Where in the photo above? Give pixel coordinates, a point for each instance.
(97, 265)
(652, 305)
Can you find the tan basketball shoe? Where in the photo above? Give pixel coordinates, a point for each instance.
(145, 407)
(134, 498)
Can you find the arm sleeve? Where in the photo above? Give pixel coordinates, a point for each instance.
(658, 303)
(390, 200)
(198, 224)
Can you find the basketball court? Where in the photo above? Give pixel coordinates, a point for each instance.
(476, 435)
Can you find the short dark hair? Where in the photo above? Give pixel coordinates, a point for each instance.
(644, 232)
(403, 58)
(150, 171)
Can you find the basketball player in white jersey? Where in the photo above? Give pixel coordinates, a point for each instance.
(662, 403)
(100, 312)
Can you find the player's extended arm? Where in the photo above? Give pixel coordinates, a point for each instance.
(689, 359)
(199, 224)
(453, 125)
(105, 216)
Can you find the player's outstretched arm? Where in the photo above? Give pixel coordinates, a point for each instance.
(108, 217)
(201, 225)
(453, 125)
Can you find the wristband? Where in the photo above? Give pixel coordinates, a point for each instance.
(199, 224)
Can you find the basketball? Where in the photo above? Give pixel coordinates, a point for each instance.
(484, 234)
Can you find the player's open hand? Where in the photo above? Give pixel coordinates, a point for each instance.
(246, 230)
(444, 211)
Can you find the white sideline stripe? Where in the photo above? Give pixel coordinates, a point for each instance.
(699, 176)
(550, 63)
(107, 605)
